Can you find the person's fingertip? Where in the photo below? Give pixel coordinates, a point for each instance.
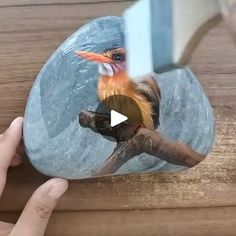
(58, 188)
(18, 121)
(15, 126)
(36, 214)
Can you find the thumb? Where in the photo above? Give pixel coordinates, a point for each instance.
(35, 216)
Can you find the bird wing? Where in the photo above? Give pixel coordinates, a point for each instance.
(149, 88)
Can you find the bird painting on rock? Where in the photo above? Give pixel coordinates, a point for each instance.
(113, 81)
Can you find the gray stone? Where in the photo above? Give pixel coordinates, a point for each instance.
(58, 146)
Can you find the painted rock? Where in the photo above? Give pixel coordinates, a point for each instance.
(55, 142)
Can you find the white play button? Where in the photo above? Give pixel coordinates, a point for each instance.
(117, 118)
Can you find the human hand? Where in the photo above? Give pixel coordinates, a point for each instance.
(36, 214)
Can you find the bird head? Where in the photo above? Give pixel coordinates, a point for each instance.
(110, 62)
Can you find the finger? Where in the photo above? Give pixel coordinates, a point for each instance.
(37, 212)
(9, 142)
(19, 156)
(16, 161)
(21, 149)
(8, 145)
(5, 228)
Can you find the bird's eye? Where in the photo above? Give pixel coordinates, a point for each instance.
(118, 57)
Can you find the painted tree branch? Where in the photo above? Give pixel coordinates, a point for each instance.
(141, 140)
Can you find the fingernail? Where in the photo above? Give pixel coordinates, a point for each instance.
(58, 189)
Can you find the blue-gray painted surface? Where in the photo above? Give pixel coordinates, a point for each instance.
(58, 146)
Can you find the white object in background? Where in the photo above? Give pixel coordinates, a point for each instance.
(160, 34)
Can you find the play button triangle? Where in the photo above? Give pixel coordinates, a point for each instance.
(117, 118)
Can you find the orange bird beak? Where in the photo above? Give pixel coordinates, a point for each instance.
(95, 57)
